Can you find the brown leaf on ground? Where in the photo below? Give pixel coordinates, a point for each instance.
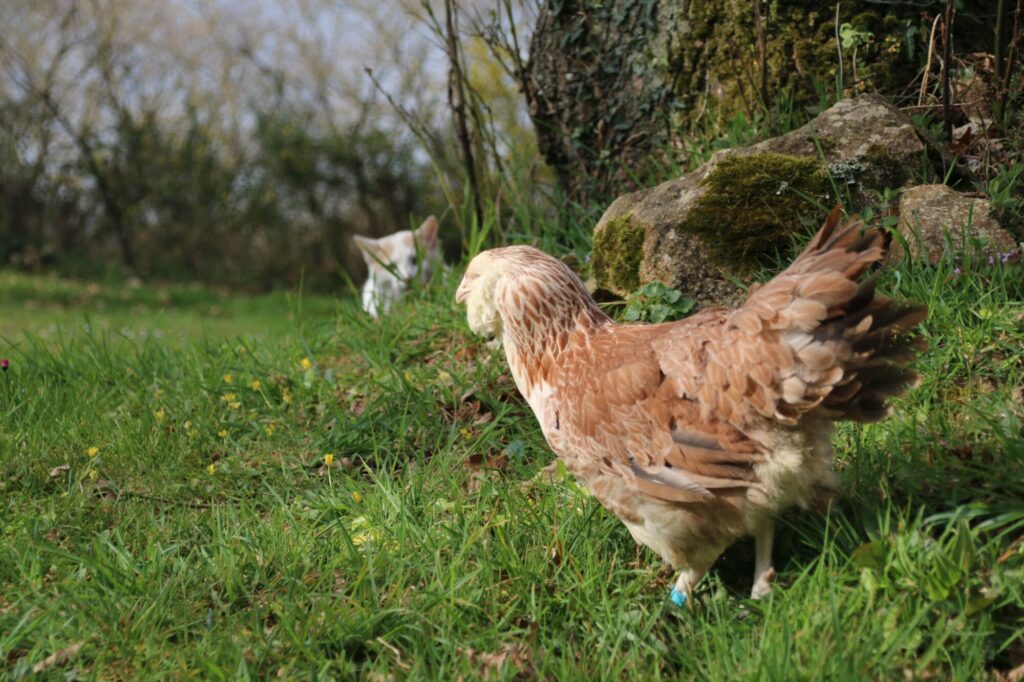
(469, 409)
(491, 664)
(59, 657)
(58, 471)
(1010, 551)
(493, 460)
(1015, 675)
(104, 489)
(480, 466)
(468, 352)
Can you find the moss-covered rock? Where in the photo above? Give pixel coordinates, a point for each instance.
(754, 205)
(706, 229)
(866, 144)
(618, 250)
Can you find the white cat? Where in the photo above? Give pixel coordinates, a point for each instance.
(395, 261)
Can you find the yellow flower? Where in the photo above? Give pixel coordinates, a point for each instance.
(92, 474)
(222, 433)
(212, 469)
(306, 363)
(329, 459)
(357, 497)
(234, 405)
(287, 396)
(228, 397)
(160, 414)
(269, 428)
(255, 384)
(92, 451)
(228, 378)
(465, 433)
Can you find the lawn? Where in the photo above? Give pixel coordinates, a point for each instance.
(280, 486)
(48, 308)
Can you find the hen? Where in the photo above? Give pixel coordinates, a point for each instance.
(697, 432)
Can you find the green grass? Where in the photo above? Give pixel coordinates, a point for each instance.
(51, 306)
(206, 538)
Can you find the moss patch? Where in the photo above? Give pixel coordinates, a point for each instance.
(618, 250)
(889, 172)
(754, 205)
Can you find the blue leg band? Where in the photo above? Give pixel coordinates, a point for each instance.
(678, 598)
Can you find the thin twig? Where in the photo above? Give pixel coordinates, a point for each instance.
(1011, 52)
(928, 62)
(915, 107)
(762, 49)
(457, 102)
(839, 51)
(947, 49)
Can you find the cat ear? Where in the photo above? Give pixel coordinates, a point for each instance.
(371, 249)
(427, 232)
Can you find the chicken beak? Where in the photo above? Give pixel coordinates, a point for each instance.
(462, 293)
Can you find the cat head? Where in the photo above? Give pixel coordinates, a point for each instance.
(405, 255)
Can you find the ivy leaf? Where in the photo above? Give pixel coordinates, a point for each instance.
(685, 306)
(634, 311)
(659, 313)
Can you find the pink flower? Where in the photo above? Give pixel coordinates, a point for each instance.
(4, 364)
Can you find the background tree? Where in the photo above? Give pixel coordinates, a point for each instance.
(232, 141)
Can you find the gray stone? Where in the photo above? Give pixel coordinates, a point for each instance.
(935, 218)
(867, 144)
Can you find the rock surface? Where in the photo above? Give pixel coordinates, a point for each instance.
(867, 144)
(936, 218)
(771, 191)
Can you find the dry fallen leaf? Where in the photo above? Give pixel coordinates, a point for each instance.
(104, 489)
(59, 657)
(1015, 675)
(58, 471)
(517, 655)
(497, 461)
